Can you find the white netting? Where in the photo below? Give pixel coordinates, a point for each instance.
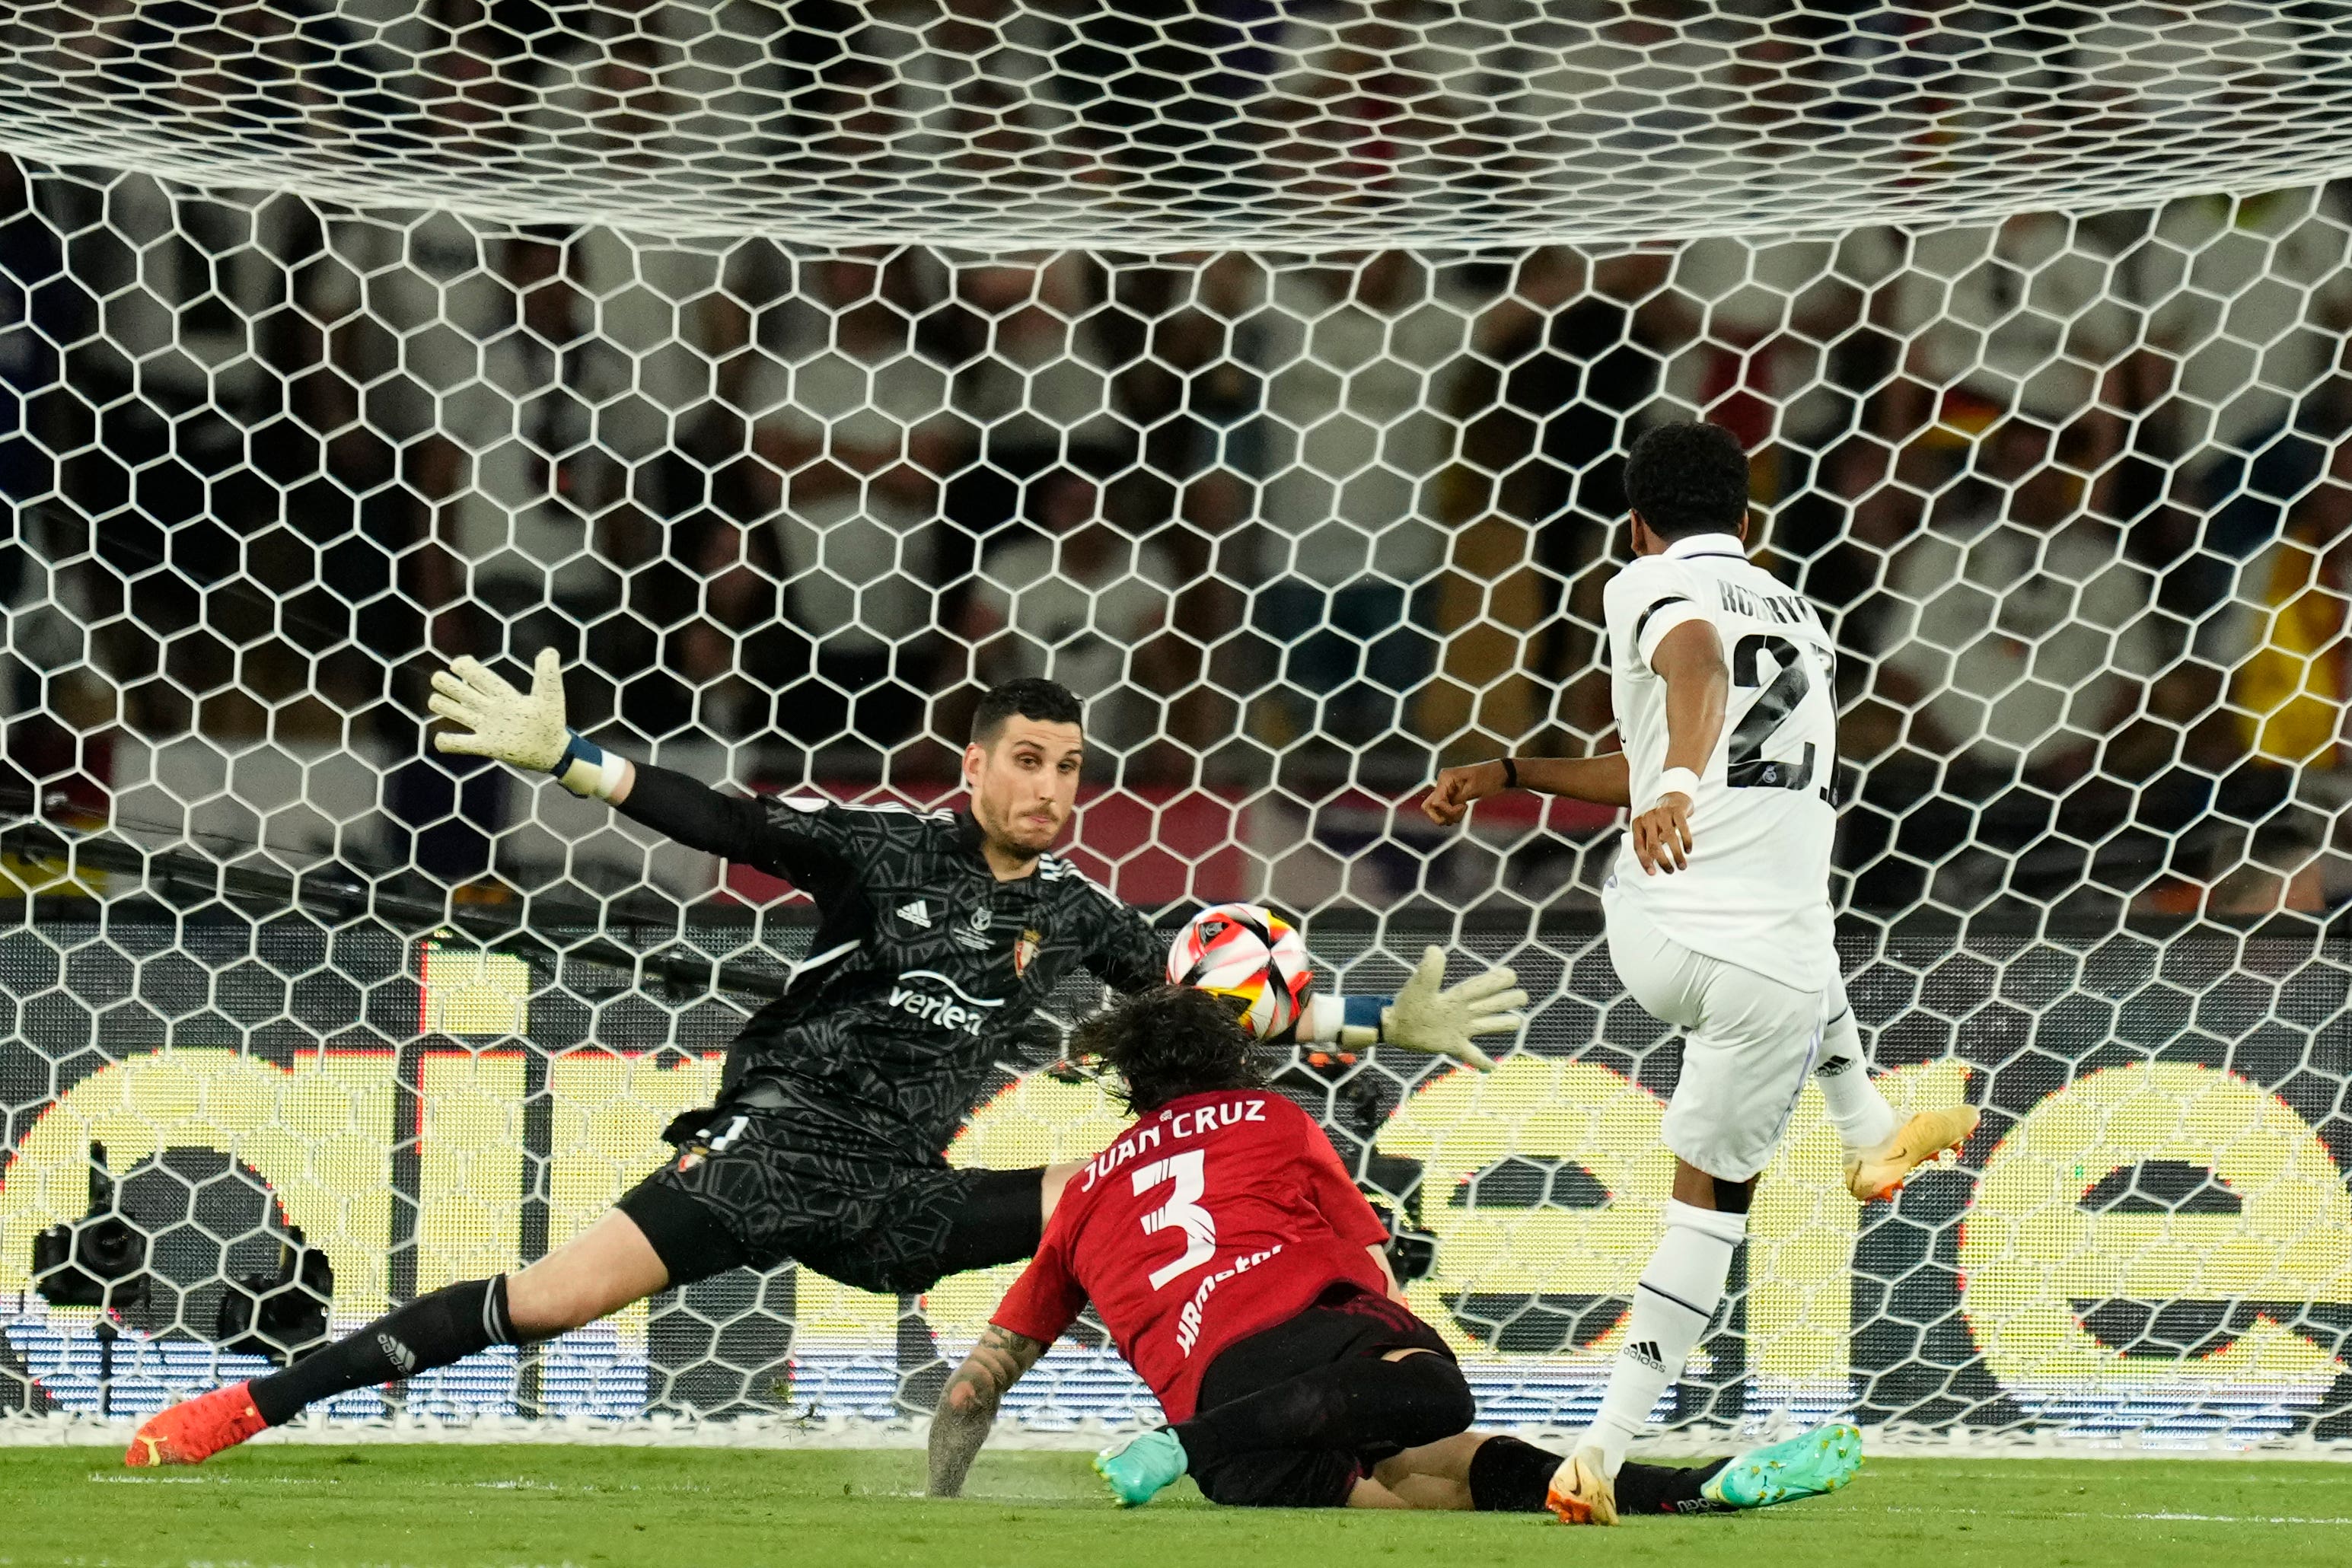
(2073, 488)
(1175, 124)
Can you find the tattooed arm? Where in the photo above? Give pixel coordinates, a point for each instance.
(968, 1409)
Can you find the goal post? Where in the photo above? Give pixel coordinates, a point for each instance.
(1266, 374)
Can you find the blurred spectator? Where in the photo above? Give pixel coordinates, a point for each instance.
(58, 710)
(1564, 361)
(859, 541)
(456, 337)
(2255, 299)
(1036, 382)
(1755, 330)
(2262, 814)
(2016, 633)
(920, 78)
(1080, 599)
(832, 364)
(852, 435)
(1361, 362)
(2017, 319)
(725, 653)
(2290, 689)
(2017, 636)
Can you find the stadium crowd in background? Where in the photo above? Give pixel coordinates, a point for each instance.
(2071, 491)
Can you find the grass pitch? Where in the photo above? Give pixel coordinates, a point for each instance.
(687, 1508)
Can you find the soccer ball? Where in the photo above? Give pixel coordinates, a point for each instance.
(1249, 954)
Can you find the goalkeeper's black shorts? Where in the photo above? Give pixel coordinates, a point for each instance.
(752, 1189)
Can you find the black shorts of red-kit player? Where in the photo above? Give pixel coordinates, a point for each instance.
(760, 1194)
(1293, 1417)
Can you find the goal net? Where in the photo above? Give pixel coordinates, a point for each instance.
(1265, 374)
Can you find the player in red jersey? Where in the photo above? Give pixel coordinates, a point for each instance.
(1244, 1278)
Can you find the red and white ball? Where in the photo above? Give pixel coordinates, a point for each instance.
(1249, 954)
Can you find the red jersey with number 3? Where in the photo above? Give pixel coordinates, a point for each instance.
(1210, 1219)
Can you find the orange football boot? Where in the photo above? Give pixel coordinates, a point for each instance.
(1882, 1173)
(191, 1432)
(1581, 1491)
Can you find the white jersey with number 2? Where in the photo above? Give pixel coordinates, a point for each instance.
(1756, 893)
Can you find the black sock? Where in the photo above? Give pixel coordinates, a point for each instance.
(1666, 1488)
(448, 1325)
(1348, 1405)
(1507, 1476)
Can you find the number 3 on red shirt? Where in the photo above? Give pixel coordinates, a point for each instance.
(1182, 1208)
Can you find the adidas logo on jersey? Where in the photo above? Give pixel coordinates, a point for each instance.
(917, 914)
(1646, 1353)
(397, 1354)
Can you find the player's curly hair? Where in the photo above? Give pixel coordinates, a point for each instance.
(1169, 1043)
(1686, 479)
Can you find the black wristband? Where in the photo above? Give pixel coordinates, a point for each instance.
(1510, 772)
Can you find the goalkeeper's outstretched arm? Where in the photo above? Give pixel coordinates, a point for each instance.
(1426, 1016)
(527, 730)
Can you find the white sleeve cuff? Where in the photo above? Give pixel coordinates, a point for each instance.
(1325, 1016)
(1351, 1023)
(587, 769)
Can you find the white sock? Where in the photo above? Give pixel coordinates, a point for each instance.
(1865, 1123)
(1677, 1297)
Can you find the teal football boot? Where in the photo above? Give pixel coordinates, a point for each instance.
(1141, 1468)
(1807, 1465)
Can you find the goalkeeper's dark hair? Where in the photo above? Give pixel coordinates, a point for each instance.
(1046, 701)
(1169, 1043)
(1686, 479)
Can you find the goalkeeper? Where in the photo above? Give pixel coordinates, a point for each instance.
(939, 935)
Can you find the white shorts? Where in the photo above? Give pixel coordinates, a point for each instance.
(1748, 1044)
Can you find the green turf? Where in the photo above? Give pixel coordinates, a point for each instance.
(692, 1508)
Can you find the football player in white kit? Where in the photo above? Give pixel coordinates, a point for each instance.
(1717, 911)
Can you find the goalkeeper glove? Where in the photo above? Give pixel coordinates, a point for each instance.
(524, 729)
(1427, 1017)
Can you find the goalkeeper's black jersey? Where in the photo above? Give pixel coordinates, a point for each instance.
(924, 969)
